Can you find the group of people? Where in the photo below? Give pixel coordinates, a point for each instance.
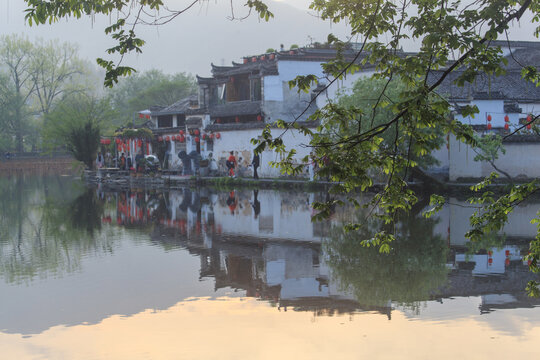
(123, 162)
(232, 163)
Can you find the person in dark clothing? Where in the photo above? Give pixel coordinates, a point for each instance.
(129, 162)
(256, 204)
(139, 158)
(255, 163)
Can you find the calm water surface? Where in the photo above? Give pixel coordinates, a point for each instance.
(92, 273)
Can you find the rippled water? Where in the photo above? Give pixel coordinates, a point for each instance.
(202, 274)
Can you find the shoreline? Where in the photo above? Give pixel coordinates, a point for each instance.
(124, 179)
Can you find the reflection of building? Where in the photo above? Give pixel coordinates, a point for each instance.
(268, 246)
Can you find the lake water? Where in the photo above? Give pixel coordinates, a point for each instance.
(92, 273)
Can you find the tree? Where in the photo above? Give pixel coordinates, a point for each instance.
(54, 69)
(17, 85)
(33, 78)
(151, 88)
(76, 124)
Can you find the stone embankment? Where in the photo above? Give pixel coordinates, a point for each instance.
(58, 164)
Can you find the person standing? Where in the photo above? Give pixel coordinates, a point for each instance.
(231, 164)
(122, 162)
(100, 161)
(139, 158)
(129, 162)
(255, 163)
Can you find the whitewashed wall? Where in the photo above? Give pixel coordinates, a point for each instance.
(239, 141)
(520, 160)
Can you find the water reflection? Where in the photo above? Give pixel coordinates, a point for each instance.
(113, 252)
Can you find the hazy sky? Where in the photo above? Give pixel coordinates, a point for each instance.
(198, 37)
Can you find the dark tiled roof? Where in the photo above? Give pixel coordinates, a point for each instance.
(263, 67)
(179, 107)
(236, 108)
(509, 86)
(254, 126)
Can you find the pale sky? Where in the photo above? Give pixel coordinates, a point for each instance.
(201, 36)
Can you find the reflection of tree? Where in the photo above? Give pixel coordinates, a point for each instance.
(47, 226)
(411, 272)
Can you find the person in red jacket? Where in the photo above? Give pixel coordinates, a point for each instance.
(231, 164)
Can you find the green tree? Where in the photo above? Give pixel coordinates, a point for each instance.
(76, 124)
(150, 88)
(17, 85)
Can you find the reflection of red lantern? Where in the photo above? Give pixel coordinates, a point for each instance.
(218, 135)
(160, 138)
(489, 118)
(196, 132)
(197, 139)
(490, 261)
(259, 117)
(507, 262)
(490, 252)
(507, 253)
(506, 118)
(489, 126)
(218, 120)
(506, 126)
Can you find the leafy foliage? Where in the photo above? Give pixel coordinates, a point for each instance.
(76, 124)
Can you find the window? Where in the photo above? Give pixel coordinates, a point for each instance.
(165, 121)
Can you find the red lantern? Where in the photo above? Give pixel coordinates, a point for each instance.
(529, 118)
(139, 143)
(119, 148)
(490, 252)
(218, 120)
(507, 262)
(254, 59)
(489, 126)
(167, 138)
(148, 116)
(529, 126)
(211, 136)
(218, 136)
(245, 60)
(490, 261)
(506, 126)
(117, 141)
(263, 57)
(272, 56)
(181, 132)
(101, 141)
(108, 142)
(507, 253)
(489, 117)
(291, 52)
(204, 137)
(197, 139)
(237, 119)
(259, 117)
(160, 138)
(506, 118)
(141, 116)
(182, 139)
